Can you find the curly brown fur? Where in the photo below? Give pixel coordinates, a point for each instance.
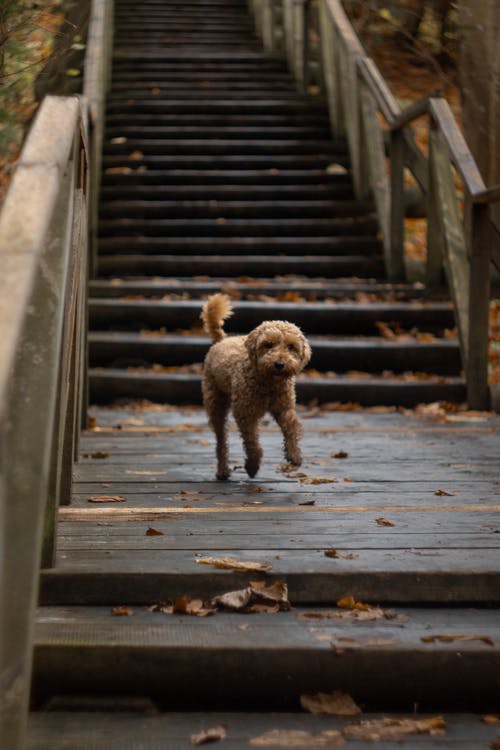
(252, 375)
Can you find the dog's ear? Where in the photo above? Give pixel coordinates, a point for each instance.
(251, 344)
(306, 352)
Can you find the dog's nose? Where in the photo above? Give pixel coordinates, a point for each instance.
(279, 364)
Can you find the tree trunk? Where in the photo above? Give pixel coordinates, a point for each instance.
(479, 68)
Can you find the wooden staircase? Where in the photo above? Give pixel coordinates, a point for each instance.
(219, 175)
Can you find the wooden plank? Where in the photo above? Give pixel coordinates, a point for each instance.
(136, 652)
(172, 731)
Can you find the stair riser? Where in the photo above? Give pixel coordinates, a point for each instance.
(228, 246)
(186, 389)
(439, 359)
(331, 319)
(240, 210)
(234, 267)
(268, 679)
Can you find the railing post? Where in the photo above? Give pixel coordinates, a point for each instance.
(478, 396)
(397, 201)
(434, 263)
(268, 25)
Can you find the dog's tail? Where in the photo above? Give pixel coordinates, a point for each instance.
(215, 311)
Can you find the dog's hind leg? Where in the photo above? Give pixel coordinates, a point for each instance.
(217, 406)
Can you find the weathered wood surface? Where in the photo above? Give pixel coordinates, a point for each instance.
(172, 731)
(436, 482)
(275, 657)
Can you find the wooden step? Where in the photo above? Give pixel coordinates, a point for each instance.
(260, 227)
(119, 349)
(228, 177)
(85, 724)
(314, 317)
(237, 209)
(108, 384)
(82, 650)
(248, 246)
(310, 289)
(218, 192)
(235, 266)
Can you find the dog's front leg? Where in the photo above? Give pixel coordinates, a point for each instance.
(292, 430)
(248, 426)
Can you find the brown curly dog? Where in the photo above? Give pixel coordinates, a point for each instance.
(251, 375)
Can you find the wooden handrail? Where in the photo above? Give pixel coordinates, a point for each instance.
(356, 91)
(43, 249)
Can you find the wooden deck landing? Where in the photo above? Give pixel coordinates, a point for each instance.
(409, 517)
(413, 511)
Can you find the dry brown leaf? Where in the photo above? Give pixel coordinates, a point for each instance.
(349, 602)
(106, 499)
(257, 597)
(452, 637)
(339, 454)
(118, 170)
(490, 719)
(97, 454)
(213, 734)
(122, 611)
(153, 532)
(229, 563)
(337, 703)
(136, 155)
(375, 730)
(334, 553)
(444, 493)
(308, 502)
(384, 522)
(290, 738)
(317, 480)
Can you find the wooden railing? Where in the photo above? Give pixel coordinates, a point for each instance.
(43, 254)
(461, 242)
(46, 222)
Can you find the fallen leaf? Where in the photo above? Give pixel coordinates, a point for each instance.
(490, 719)
(97, 454)
(337, 703)
(213, 734)
(117, 170)
(335, 169)
(228, 563)
(136, 155)
(153, 532)
(343, 555)
(349, 602)
(290, 738)
(119, 139)
(257, 597)
(339, 454)
(444, 493)
(384, 522)
(375, 730)
(122, 611)
(317, 480)
(106, 499)
(451, 637)
(308, 502)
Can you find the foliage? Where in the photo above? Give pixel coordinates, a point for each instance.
(26, 32)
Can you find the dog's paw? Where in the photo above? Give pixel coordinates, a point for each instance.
(223, 473)
(294, 457)
(252, 466)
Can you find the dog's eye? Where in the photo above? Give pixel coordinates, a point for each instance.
(292, 348)
(268, 345)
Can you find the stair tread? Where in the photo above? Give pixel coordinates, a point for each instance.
(172, 731)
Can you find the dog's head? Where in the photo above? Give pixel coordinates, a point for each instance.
(277, 348)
